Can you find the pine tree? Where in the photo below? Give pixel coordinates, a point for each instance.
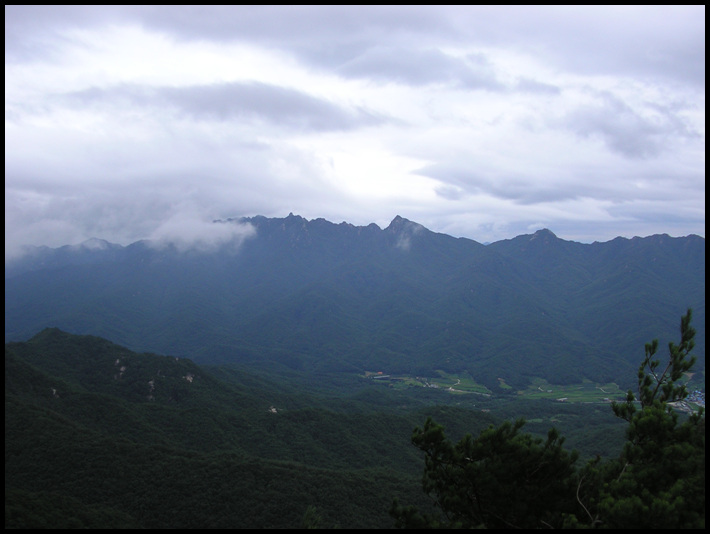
(659, 479)
(507, 479)
(501, 479)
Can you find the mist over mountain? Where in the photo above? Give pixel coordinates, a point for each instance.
(311, 295)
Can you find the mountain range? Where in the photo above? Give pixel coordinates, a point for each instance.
(311, 296)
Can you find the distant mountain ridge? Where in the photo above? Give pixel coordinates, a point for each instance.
(314, 295)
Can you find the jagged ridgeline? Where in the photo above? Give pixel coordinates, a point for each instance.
(317, 296)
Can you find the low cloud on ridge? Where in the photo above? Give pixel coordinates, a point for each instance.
(195, 234)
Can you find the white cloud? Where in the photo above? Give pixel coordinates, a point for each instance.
(186, 233)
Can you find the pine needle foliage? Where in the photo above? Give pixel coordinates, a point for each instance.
(508, 479)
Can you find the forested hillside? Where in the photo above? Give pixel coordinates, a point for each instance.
(97, 435)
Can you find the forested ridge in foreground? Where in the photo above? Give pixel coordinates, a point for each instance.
(97, 436)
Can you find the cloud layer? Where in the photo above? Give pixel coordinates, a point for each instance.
(132, 122)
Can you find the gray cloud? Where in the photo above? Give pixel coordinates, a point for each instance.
(126, 122)
(650, 41)
(642, 40)
(417, 67)
(628, 131)
(530, 85)
(31, 31)
(462, 177)
(326, 36)
(227, 101)
(462, 181)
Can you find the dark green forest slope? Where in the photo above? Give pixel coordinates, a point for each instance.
(97, 435)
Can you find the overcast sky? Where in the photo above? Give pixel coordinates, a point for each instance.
(132, 122)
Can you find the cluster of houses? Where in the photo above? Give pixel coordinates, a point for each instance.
(697, 396)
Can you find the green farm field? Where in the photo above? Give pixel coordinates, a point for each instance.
(586, 391)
